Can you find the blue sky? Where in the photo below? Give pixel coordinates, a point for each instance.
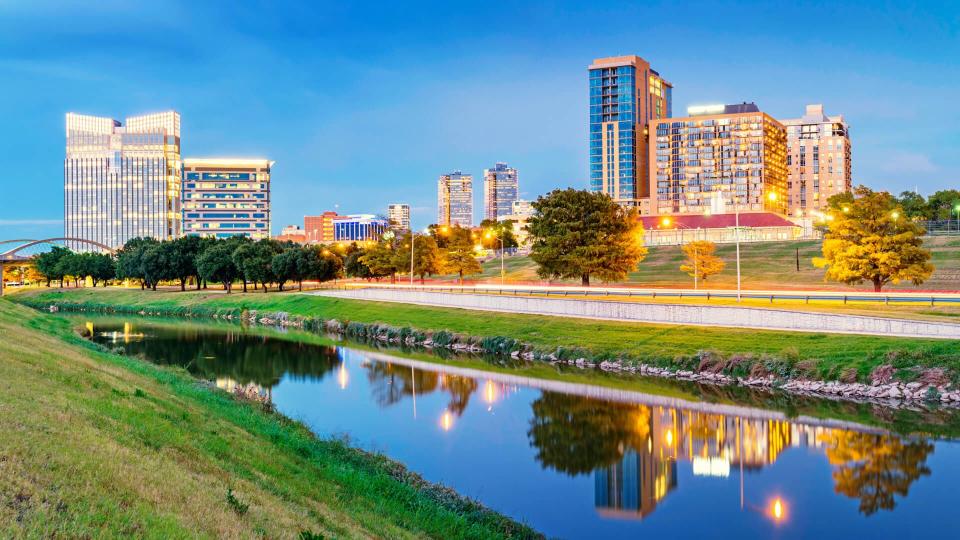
(362, 103)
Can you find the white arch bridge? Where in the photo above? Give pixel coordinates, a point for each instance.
(12, 256)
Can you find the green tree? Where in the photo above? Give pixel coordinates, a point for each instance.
(72, 266)
(216, 264)
(494, 230)
(48, 264)
(381, 260)
(129, 259)
(914, 205)
(943, 204)
(155, 264)
(459, 257)
(427, 258)
(286, 266)
(353, 264)
(256, 264)
(100, 267)
(581, 234)
(701, 261)
(182, 255)
(872, 241)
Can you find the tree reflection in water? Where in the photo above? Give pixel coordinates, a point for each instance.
(389, 383)
(875, 468)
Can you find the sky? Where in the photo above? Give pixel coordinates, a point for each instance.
(363, 104)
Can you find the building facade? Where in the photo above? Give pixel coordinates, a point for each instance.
(625, 96)
(818, 160)
(718, 159)
(399, 215)
(121, 181)
(224, 197)
(319, 229)
(292, 233)
(455, 199)
(521, 207)
(500, 190)
(359, 228)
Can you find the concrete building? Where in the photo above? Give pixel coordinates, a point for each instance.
(455, 199)
(625, 96)
(399, 215)
(224, 197)
(292, 233)
(818, 160)
(717, 159)
(121, 181)
(359, 228)
(521, 207)
(319, 229)
(500, 190)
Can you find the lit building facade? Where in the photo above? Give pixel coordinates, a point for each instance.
(818, 160)
(122, 181)
(521, 207)
(224, 197)
(291, 233)
(359, 228)
(718, 158)
(399, 215)
(625, 96)
(455, 199)
(319, 229)
(500, 190)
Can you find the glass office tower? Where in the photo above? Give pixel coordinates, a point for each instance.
(224, 197)
(455, 199)
(500, 190)
(121, 181)
(625, 95)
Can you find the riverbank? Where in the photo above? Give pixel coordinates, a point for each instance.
(98, 445)
(892, 369)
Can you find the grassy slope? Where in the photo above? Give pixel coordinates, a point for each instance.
(100, 445)
(763, 265)
(599, 337)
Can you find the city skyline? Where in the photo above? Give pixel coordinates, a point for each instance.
(417, 136)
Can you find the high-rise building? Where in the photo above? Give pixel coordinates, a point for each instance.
(399, 215)
(500, 190)
(359, 227)
(224, 197)
(718, 157)
(455, 199)
(319, 229)
(122, 181)
(625, 96)
(818, 160)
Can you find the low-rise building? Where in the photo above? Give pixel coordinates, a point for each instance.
(359, 228)
(319, 229)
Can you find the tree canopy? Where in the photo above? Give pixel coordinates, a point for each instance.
(460, 257)
(701, 262)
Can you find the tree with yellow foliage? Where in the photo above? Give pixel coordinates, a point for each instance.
(870, 239)
(701, 262)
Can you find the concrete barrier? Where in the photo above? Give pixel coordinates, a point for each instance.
(725, 316)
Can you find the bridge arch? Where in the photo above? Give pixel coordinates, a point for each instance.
(31, 243)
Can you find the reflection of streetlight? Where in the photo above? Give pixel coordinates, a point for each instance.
(489, 393)
(446, 421)
(778, 510)
(342, 376)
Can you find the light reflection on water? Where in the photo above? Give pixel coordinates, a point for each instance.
(578, 465)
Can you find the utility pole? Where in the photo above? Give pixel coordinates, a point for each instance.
(798, 259)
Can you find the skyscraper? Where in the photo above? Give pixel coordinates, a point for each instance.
(500, 190)
(122, 182)
(818, 159)
(399, 215)
(455, 199)
(717, 157)
(625, 95)
(224, 197)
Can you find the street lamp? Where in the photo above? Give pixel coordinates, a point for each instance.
(488, 235)
(666, 222)
(772, 196)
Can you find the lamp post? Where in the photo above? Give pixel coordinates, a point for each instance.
(666, 222)
(489, 234)
(736, 209)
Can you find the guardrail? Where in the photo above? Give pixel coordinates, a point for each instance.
(614, 292)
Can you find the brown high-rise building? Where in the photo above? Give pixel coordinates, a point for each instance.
(319, 229)
(818, 160)
(625, 96)
(717, 159)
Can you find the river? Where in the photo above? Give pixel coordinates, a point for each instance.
(576, 461)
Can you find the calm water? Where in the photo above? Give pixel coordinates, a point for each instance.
(580, 466)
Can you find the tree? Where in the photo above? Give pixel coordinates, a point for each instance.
(380, 260)
(581, 234)
(100, 267)
(216, 264)
(701, 262)
(427, 259)
(129, 259)
(353, 264)
(943, 204)
(256, 264)
(459, 257)
(914, 206)
(155, 264)
(182, 257)
(498, 230)
(872, 241)
(242, 251)
(71, 265)
(286, 266)
(48, 264)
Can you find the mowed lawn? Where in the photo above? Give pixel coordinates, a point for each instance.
(643, 341)
(98, 445)
(764, 265)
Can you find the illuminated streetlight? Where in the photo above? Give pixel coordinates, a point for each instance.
(665, 222)
(895, 214)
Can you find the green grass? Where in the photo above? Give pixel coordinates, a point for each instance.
(763, 265)
(99, 445)
(831, 353)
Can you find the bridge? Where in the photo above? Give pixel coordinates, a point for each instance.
(12, 255)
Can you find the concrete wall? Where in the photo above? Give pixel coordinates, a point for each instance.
(739, 317)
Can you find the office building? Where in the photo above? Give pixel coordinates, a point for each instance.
(224, 197)
(455, 199)
(319, 229)
(718, 159)
(121, 181)
(399, 215)
(818, 160)
(521, 207)
(625, 96)
(500, 190)
(359, 228)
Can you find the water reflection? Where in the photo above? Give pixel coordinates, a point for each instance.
(636, 452)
